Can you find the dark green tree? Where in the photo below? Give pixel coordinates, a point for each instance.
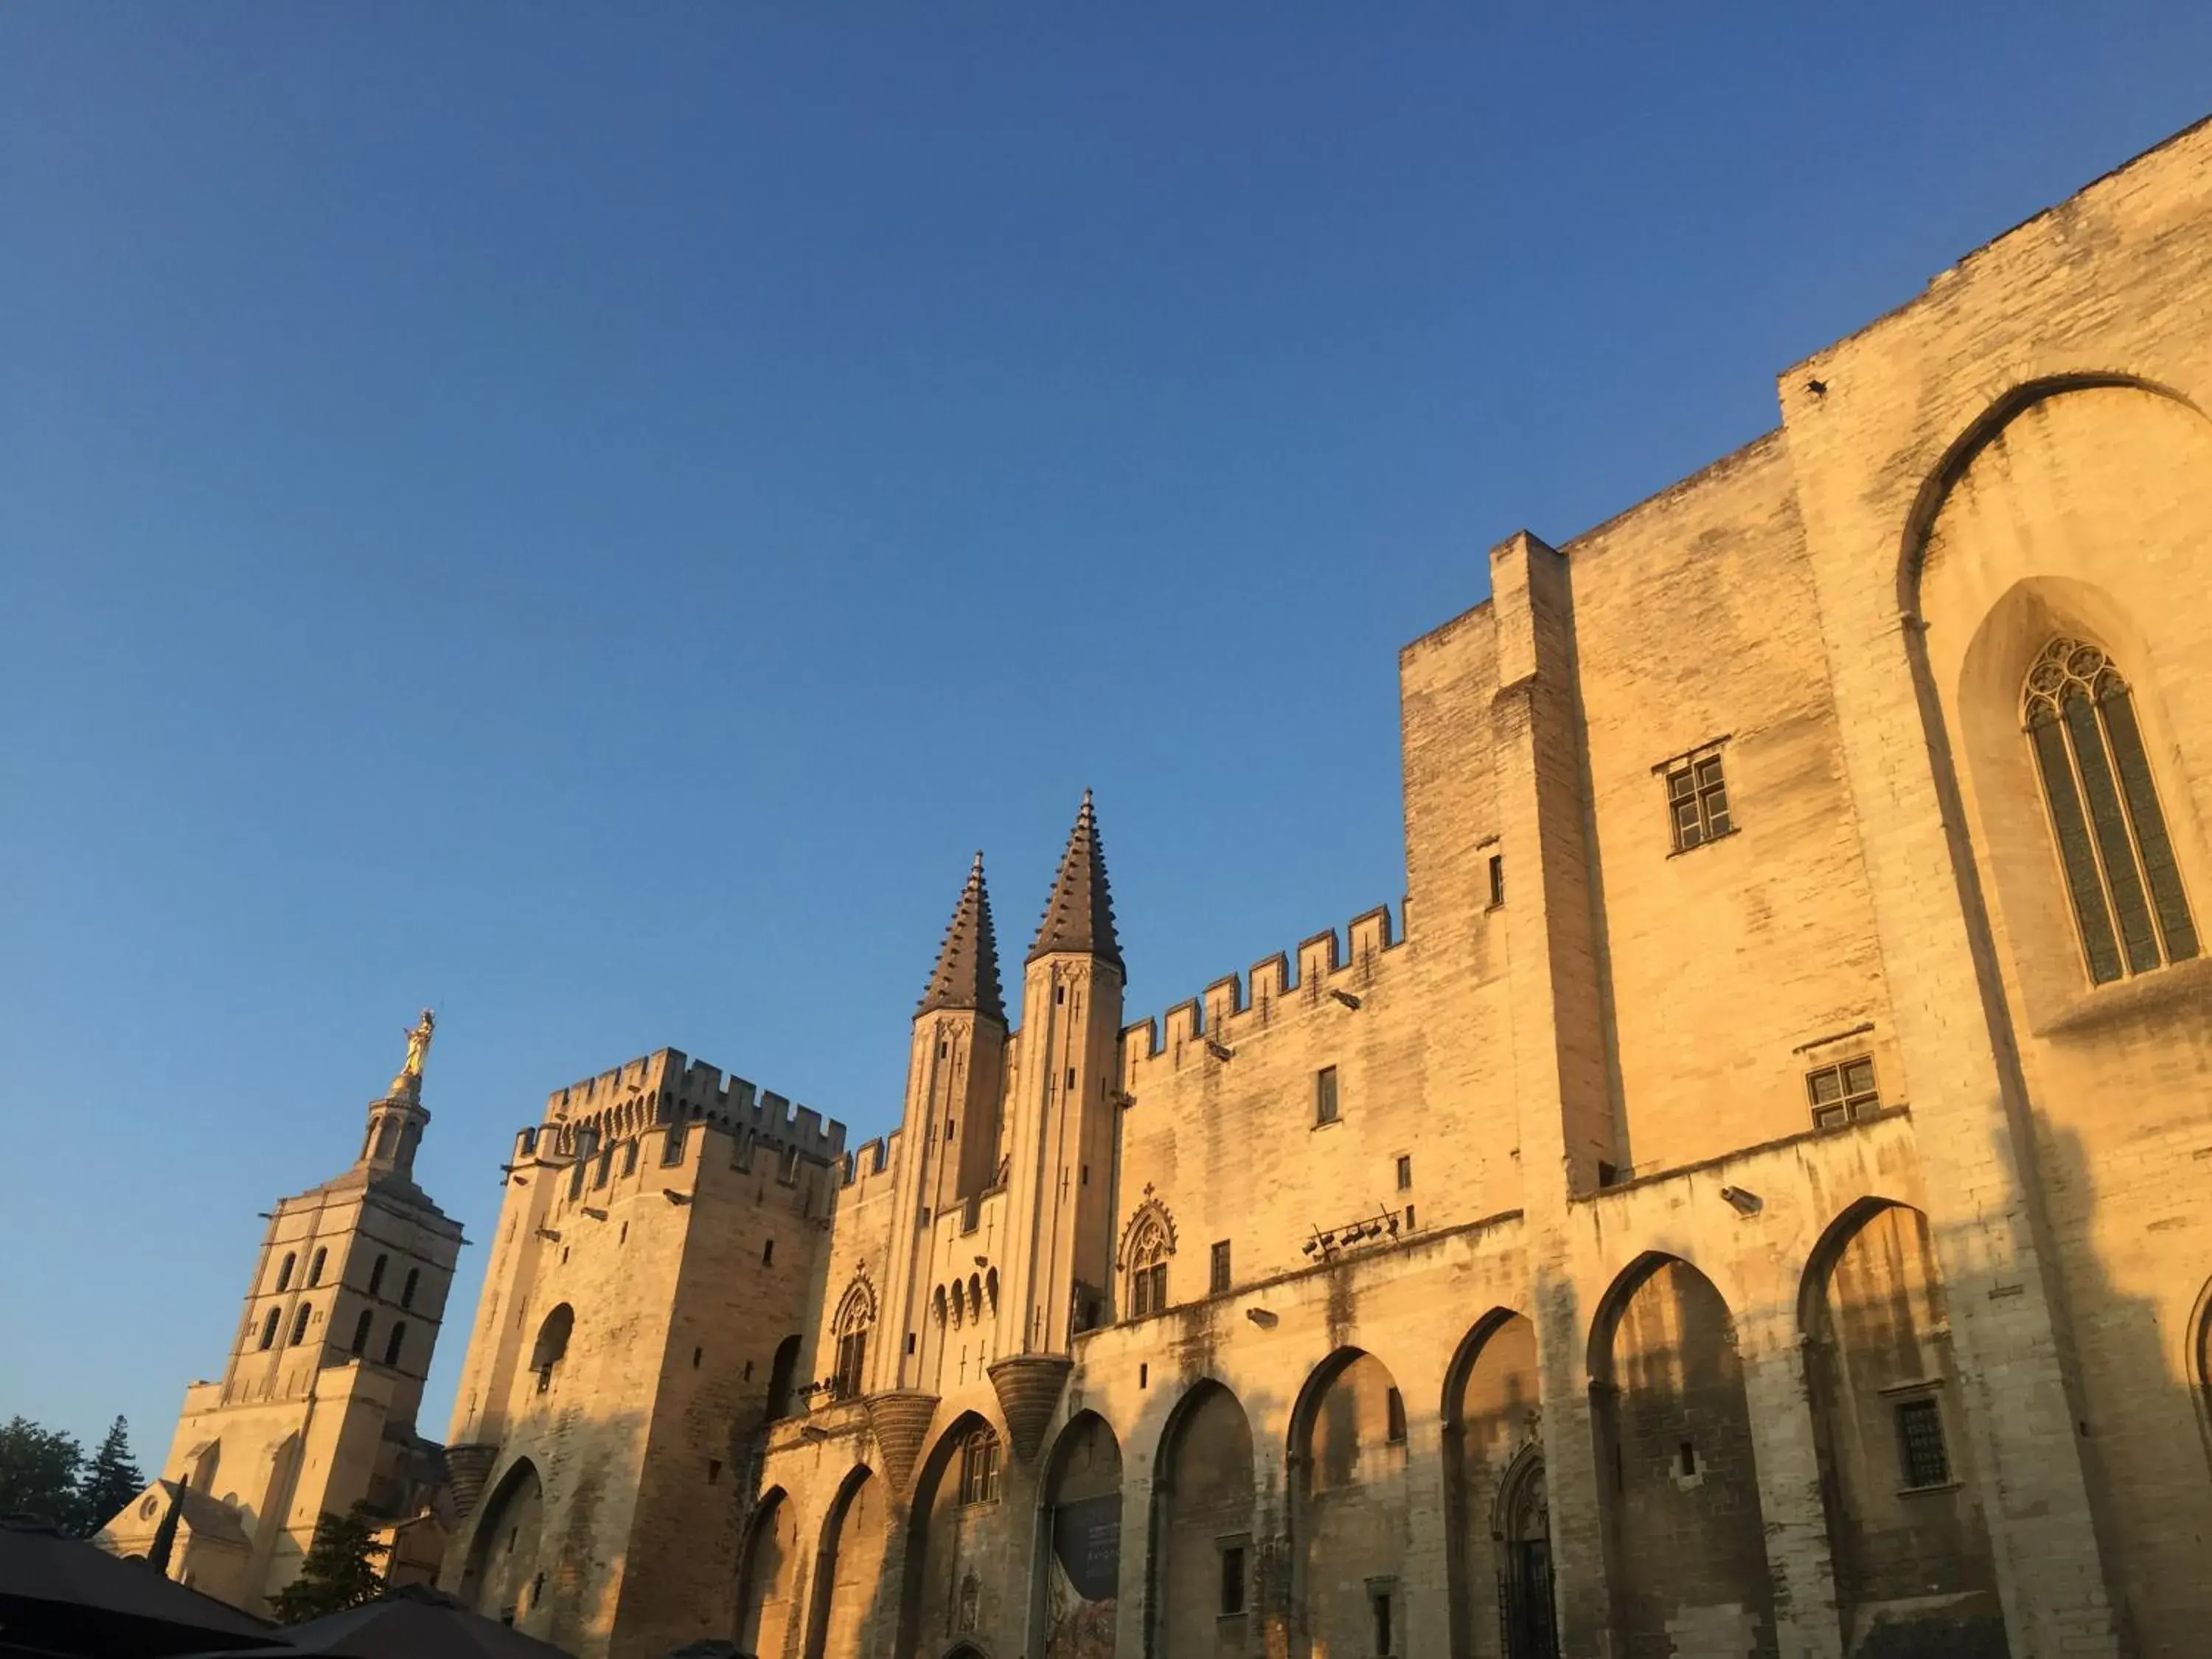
(340, 1570)
(39, 1470)
(111, 1479)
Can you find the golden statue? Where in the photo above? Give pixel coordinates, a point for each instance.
(418, 1045)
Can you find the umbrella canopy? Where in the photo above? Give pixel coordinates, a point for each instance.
(412, 1622)
(61, 1595)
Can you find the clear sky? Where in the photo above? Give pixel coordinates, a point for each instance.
(588, 515)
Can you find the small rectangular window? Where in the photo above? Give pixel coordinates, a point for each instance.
(1842, 1092)
(713, 1471)
(1920, 1443)
(1383, 1631)
(1219, 1281)
(671, 1144)
(1232, 1580)
(1496, 879)
(629, 1157)
(1325, 1095)
(1405, 1173)
(1393, 1412)
(1409, 1218)
(767, 1253)
(1696, 799)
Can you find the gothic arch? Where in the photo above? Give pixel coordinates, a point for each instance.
(847, 1557)
(1203, 1508)
(1977, 436)
(1491, 1419)
(1671, 1429)
(501, 1577)
(1349, 1507)
(1151, 1220)
(1076, 1587)
(767, 1576)
(1903, 1517)
(937, 1545)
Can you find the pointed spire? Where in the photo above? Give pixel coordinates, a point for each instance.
(966, 974)
(1079, 917)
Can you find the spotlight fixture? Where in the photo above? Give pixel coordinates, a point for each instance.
(550, 1234)
(1260, 1317)
(1345, 997)
(1219, 1050)
(1744, 1203)
(675, 1197)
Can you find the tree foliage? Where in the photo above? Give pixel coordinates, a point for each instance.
(340, 1570)
(41, 1471)
(111, 1479)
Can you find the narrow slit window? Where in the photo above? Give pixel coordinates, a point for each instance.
(2117, 859)
(395, 1345)
(1394, 1415)
(300, 1326)
(1232, 1580)
(268, 1328)
(1496, 879)
(1219, 1281)
(1325, 1098)
(360, 1343)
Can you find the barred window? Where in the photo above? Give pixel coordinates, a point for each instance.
(1148, 1290)
(1841, 1093)
(1920, 1443)
(1697, 798)
(1220, 1279)
(2118, 861)
(269, 1327)
(979, 1467)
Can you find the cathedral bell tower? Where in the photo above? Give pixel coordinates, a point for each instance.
(1061, 1110)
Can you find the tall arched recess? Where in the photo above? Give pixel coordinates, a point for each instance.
(2056, 576)
(950, 1586)
(1351, 1512)
(1685, 1539)
(849, 1612)
(501, 1571)
(1078, 1544)
(1203, 1589)
(1497, 1518)
(1905, 1530)
(768, 1578)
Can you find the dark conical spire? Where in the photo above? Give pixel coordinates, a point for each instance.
(1079, 917)
(966, 974)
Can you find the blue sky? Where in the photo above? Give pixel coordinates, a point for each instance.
(588, 515)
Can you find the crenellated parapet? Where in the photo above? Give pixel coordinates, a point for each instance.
(667, 1087)
(872, 1163)
(1237, 1006)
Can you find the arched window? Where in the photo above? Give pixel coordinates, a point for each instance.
(552, 1344)
(376, 1275)
(2118, 860)
(300, 1325)
(315, 1269)
(1146, 1257)
(360, 1333)
(407, 1290)
(268, 1328)
(394, 1343)
(856, 1314)
(284, 1273)
(979, 1467)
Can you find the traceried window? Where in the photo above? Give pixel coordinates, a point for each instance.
(1148, 1269)
(2112, 844)
(1841, 1093)
(979, 1467)
(1697, 798)
(856, 1314)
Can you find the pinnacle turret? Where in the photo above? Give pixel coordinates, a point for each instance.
(966, 974)
(1079, 917)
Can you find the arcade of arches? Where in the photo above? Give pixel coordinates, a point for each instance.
(1382, 1521)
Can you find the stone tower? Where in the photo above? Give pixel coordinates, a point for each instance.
(315, 1409)
(1060, 1113)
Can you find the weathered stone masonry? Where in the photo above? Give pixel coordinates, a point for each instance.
(1727, 1211)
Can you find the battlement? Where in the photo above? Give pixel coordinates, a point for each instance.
(873, 1160)
(1237, 1001)
(667, 1087)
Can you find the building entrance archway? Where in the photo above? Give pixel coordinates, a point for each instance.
(1526, 1628)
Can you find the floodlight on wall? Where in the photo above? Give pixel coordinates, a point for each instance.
(1345, 997)
(550, 1234)
(1219, 1050)
(596, 1215)
(1743, 1203)
(675, 1197)
(1262, 1317)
